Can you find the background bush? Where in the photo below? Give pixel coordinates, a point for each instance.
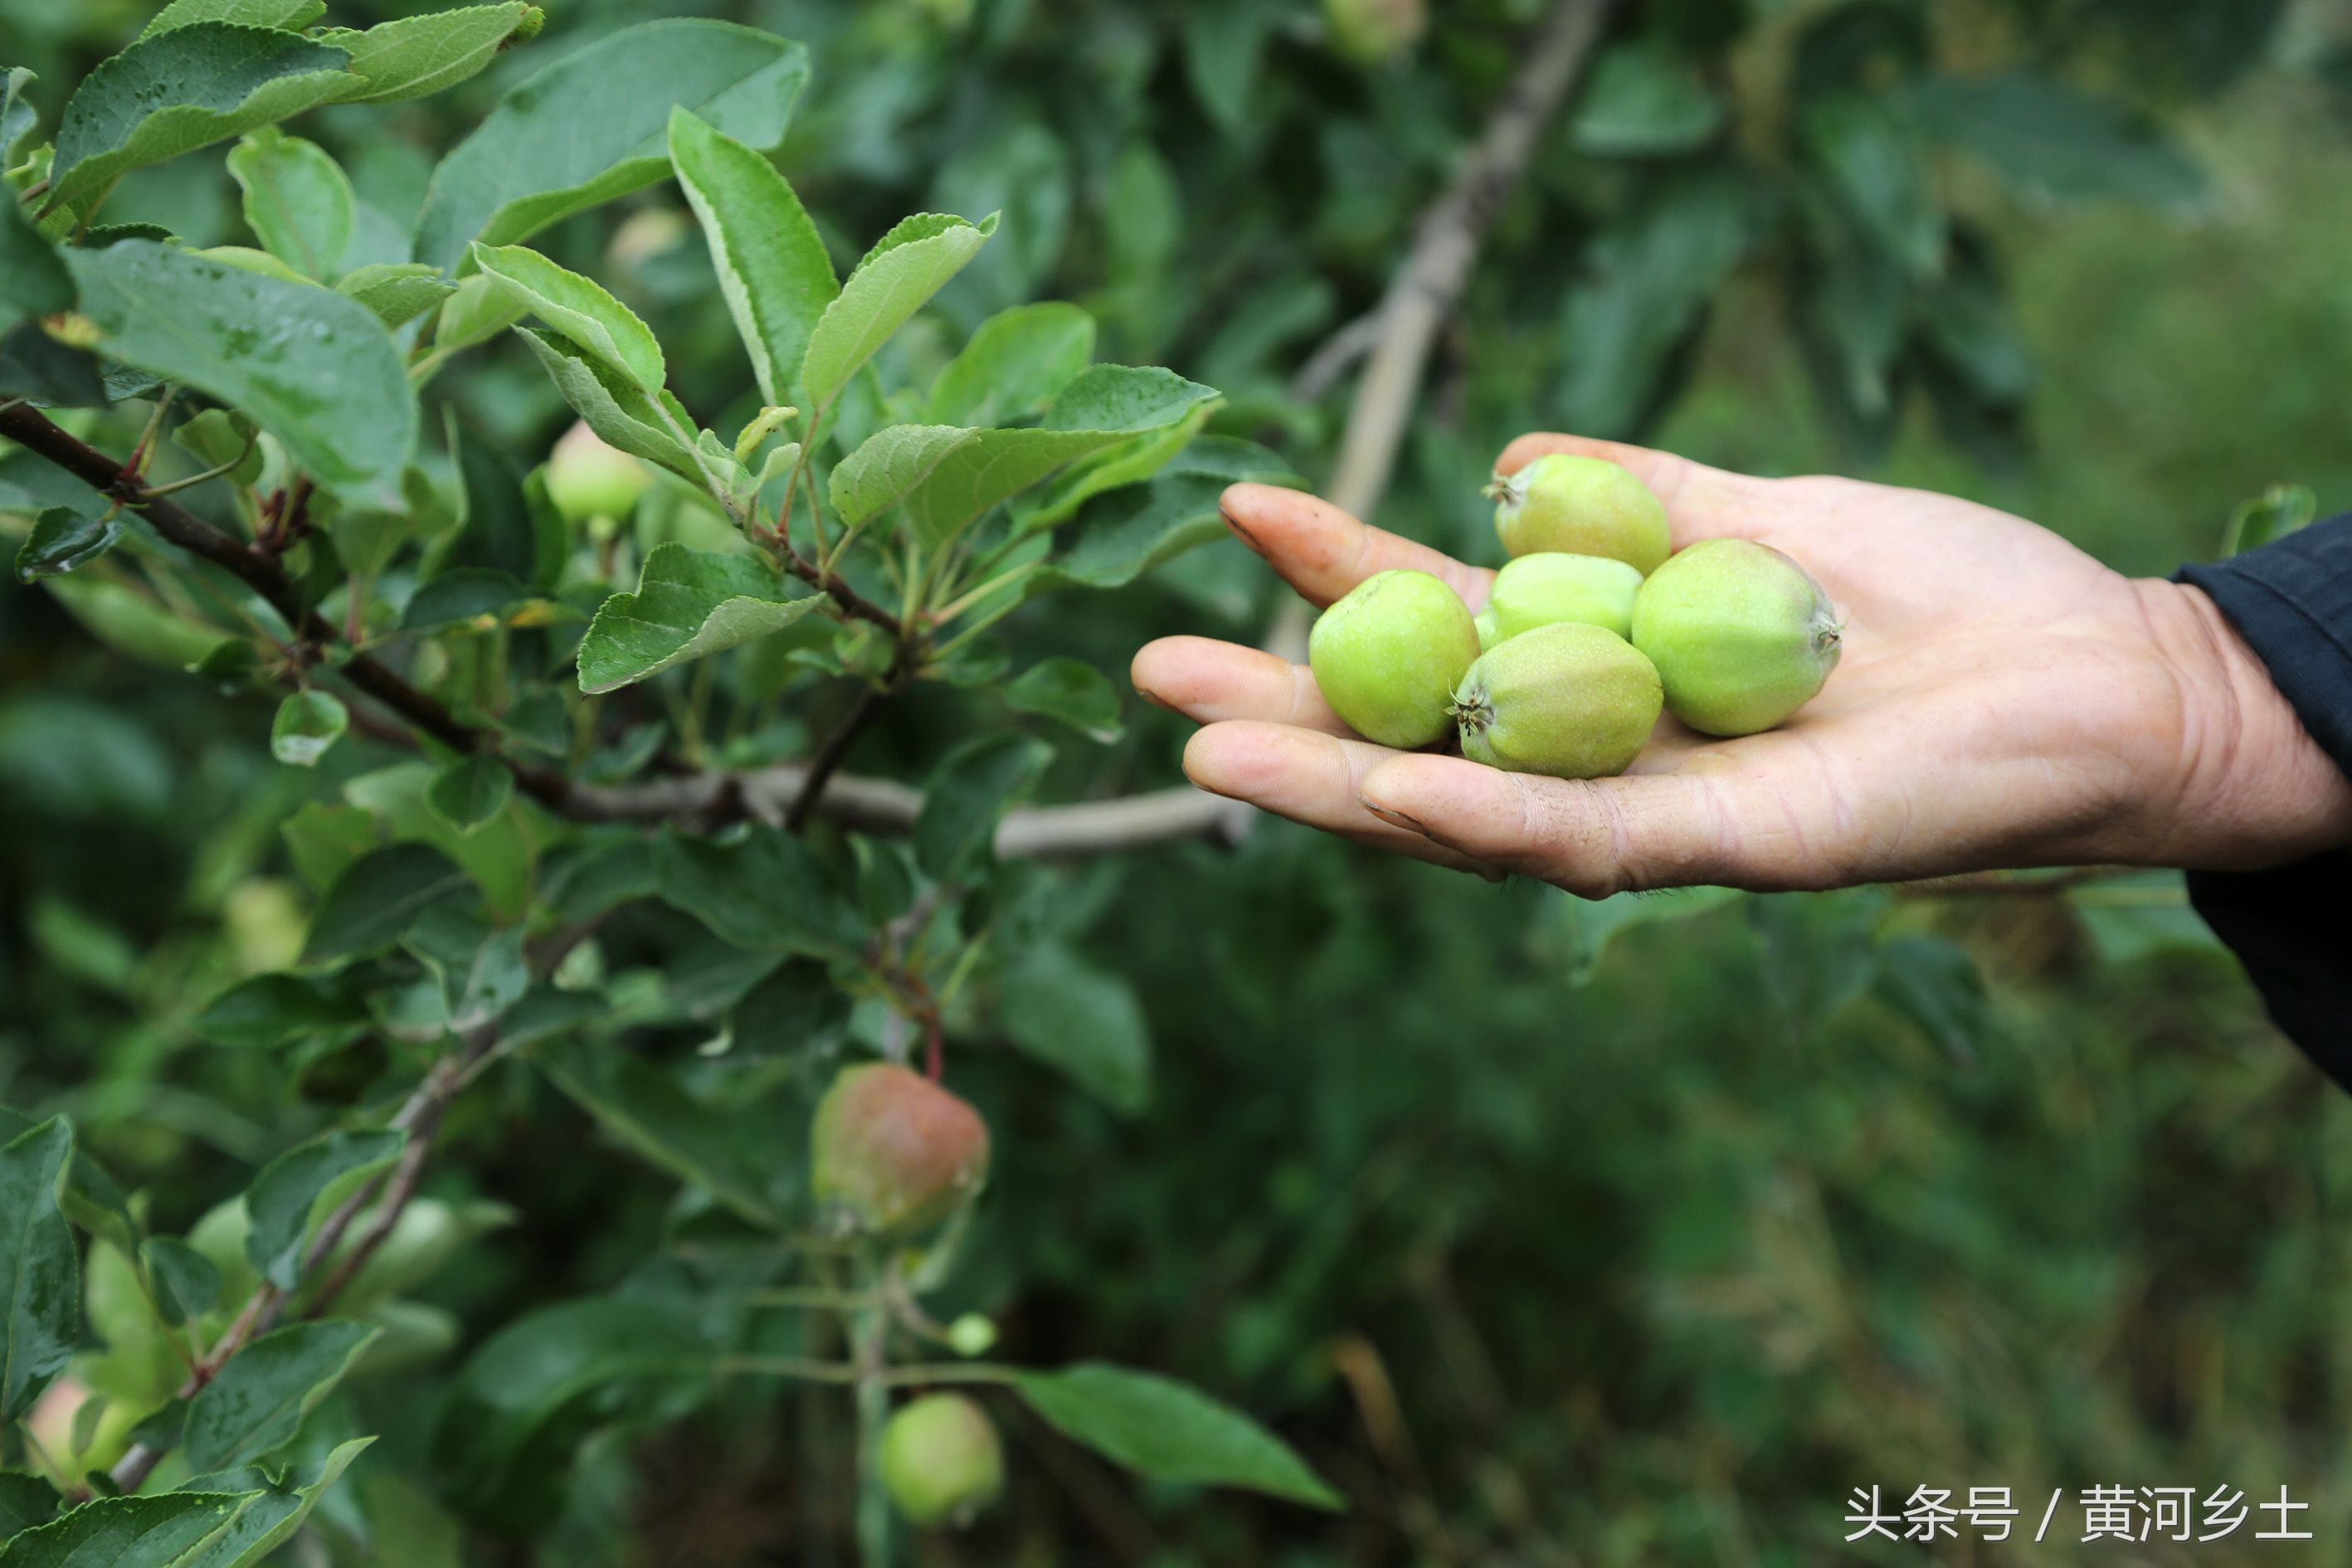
(1633, 1233)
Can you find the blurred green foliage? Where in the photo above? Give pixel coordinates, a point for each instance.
(1637, 1233)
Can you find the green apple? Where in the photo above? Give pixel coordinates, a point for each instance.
(1551, 586)
(1572, 700)
(1387, 657)
(1490, 631)
(941, 1461)
(892, 1153)
(1741, 635)
(588, 480)
(1583, 506)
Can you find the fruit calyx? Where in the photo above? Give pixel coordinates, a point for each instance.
(1472, 709)
(1510, 488)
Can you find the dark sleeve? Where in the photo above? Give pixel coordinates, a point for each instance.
(2292, 602)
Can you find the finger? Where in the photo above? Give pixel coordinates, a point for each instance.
(1212, 682)
(1322, 552)
(1701, 503)
(1595, 837)
(1309, 778)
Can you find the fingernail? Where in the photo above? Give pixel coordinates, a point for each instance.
(1243, 534)
(1394, 817)
(1155, 699)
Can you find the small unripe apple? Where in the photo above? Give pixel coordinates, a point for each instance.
(1582, 506)
(1489, 632)
(1567, 699)
(971, 1334)
(1387, 657)
(588, 480)
(941, 1461)
(1741, 635)
(892, 1153)
(1551, 586)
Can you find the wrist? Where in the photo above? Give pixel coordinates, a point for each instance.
(2251, 788)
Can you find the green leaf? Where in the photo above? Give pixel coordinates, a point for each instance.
(378, 898)
(26, 1501)
(39, 1273)
(323, 840)
(1016, 361)
(470, 596)
(1100, 409)
(772, 266)
(889, 463)
(1169, 1432)
(131, 624)
(1939, 987)
(498, 857)
(581, 310)
(297, 200)
(268, 1011)
(1587, 929)
(1118, 542)
(2262, 519)
(90, 1199)
(470, 790)
(269, 1520)
(33, 281)
(688, 602)
(172, 93)
(297, 1187)
(1650, 279)
(1645, 100)
(62, 539)
(187, 1283)
(257, 1402)
(35, 366)
(1081, 1020)
(897, 279)
(618, 410)
(158, 1531)
(414, 57)
(307, 722)
(738, 1159)
(539, 1366)
(480, 309)
(1224, 49)
(538, 157)
(398, 292)
(1122, 463)
(2052, 142)
(1070, 690)
(217, 437)
(480, 968)
(972, 789)
(761, 888)
(314, 369)
(291, 14)
(1874, 168)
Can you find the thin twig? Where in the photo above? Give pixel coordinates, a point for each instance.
(1340, 354)
(33, 430)
(827, 760)
(837, 588)
(420, 1117)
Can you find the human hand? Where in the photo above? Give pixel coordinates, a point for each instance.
(2002, 700)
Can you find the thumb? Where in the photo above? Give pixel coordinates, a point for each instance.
(1593, 836)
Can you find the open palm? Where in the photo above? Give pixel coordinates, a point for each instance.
(2003, 699)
